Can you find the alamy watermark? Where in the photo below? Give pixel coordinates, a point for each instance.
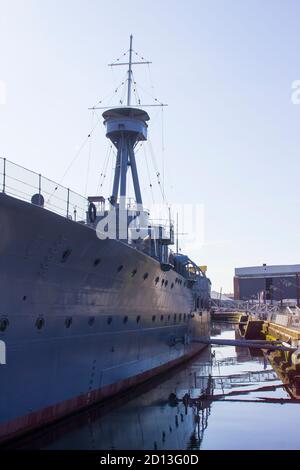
(295, 95)
(2, 353)
(123, 222)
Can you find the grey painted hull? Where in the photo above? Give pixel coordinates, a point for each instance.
(85, 318)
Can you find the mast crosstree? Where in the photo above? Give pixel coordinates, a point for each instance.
(129, 73)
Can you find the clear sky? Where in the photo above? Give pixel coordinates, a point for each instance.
(231, 132)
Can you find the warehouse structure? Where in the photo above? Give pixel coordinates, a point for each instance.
(268, 283)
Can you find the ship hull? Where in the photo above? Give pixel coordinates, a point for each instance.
(85, 318)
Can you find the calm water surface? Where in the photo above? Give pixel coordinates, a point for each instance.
(224, 399)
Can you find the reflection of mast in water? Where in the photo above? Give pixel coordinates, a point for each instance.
(201, 409)
(201, 422)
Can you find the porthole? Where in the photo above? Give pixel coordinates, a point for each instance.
(134, 272)
(154, 318)
(125, 320)
(68, 322)
(157, 280)
(146, 275)
(40, 322)
(109, 320)
(97, 262)
(65, 255)
(91, 321)
(120, 268)
(162, 282)
(4, 324)
(138, 319)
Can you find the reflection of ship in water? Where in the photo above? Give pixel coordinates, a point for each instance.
(288, 371)
(148, 420)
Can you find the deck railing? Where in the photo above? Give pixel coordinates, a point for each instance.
(23, 184)
(19, 182)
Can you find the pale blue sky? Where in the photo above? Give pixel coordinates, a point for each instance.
(225, 68)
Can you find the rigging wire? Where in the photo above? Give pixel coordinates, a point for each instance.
(135, 90)
(74, 159)
(89, 157)
(138, 55)
(111, 94)
(150, 78)
(148, 174)
(150, 94)
(158, 175)
(103, 174)
(121, 57)
(109, 97)
(163, 147)
(123, 95)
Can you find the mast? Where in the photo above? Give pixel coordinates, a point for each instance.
(125, 127)
(129, 73)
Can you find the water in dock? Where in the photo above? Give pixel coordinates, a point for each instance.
(224, 399)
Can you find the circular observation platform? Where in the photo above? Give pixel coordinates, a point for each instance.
(131, 121)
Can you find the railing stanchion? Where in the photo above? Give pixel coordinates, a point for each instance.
(40, 184)
(4, 174)
(68, 203)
